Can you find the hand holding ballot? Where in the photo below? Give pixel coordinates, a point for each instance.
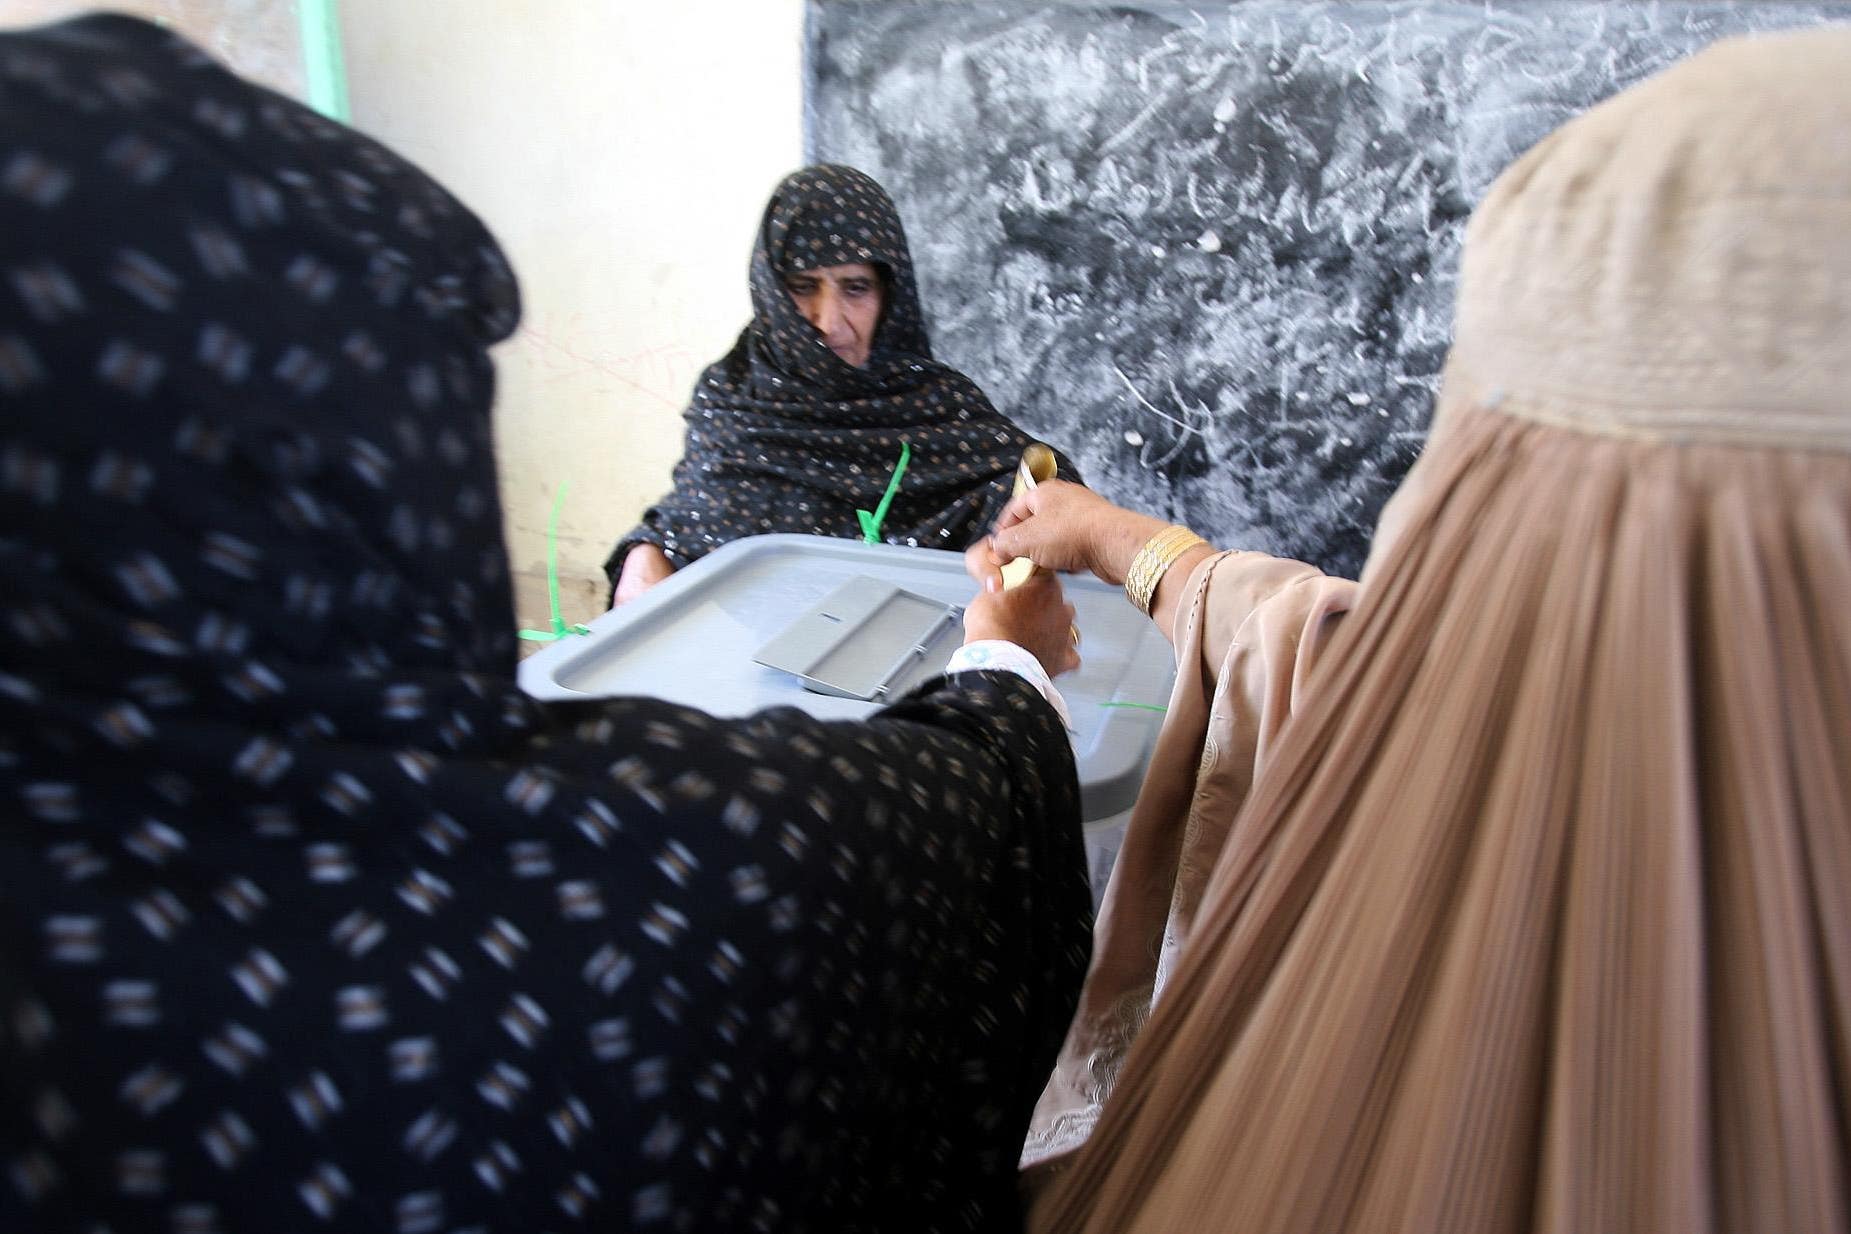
(1036, 616)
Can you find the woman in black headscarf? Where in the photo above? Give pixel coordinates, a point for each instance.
(801, 424)
(309, 919)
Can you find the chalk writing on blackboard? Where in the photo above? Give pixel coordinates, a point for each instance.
(1210, 250)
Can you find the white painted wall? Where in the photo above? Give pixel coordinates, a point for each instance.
(622, 153)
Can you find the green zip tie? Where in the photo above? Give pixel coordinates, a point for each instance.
(560, 628)
(1136, 706)
(320, 23)
(871, 523)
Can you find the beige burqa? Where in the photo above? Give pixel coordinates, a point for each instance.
(1510, 890)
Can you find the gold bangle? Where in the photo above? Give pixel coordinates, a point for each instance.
(1157, 556)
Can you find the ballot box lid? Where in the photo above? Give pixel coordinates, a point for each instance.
(695, 638)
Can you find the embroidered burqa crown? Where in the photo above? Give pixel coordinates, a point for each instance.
(1672, 265)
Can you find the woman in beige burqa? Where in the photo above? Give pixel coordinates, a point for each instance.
(1510, 888)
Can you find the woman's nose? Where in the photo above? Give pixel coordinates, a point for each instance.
(825, 311)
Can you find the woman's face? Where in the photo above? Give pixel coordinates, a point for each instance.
(843, 303)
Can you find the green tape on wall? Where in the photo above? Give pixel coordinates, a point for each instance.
(321, 53)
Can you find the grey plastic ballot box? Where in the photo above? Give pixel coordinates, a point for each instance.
(695, 637)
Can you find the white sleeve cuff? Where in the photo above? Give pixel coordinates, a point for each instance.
(996, 653)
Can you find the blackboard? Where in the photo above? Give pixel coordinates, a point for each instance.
(1210, 249)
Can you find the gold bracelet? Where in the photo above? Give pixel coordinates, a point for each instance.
(1157, 556)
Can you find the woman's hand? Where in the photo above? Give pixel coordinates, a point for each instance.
(1035, 616)
(643, 567)
(1062, 526)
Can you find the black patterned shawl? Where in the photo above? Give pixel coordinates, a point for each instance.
(783, 435)
(309, 919)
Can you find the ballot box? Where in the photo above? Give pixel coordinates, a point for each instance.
(839, 628)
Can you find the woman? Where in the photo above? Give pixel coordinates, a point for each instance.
(802, 424)
(309, 919)
(1513, 885)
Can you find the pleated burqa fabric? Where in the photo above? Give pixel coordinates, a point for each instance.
(1538, 915)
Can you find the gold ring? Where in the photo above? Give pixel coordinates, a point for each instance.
(1073, 632)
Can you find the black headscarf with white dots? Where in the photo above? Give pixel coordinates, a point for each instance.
(786, 436)
(309, 918)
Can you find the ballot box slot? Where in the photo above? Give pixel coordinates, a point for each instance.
(867, 639)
